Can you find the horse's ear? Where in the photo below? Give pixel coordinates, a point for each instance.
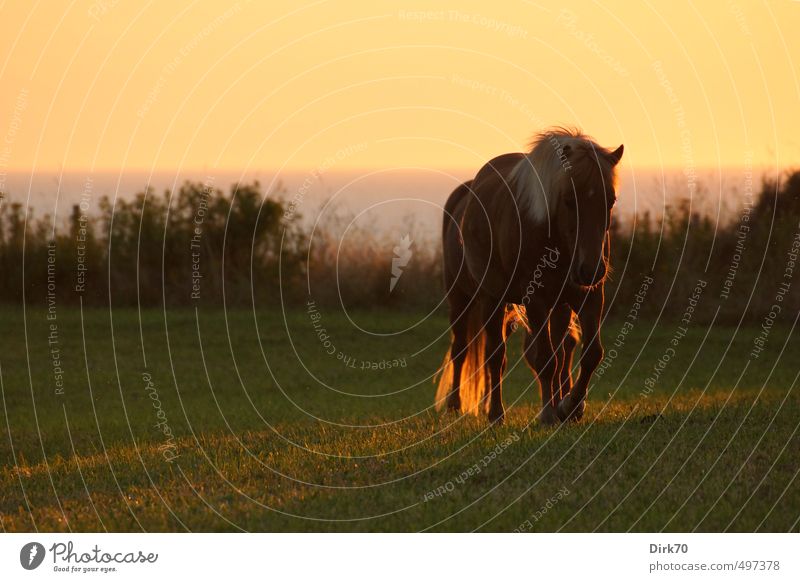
(616, 155)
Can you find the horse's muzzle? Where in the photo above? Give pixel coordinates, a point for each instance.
(588, 275)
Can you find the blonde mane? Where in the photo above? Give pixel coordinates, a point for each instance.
(556, 156)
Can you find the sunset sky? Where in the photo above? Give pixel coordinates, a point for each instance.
(114, 85)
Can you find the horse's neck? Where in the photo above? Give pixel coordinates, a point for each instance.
(540, 240)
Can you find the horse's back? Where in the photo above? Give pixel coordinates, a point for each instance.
(454, 206)
(456, 280)
(498, 169)
(491, 226)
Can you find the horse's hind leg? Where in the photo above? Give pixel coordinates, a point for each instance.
(494, 315)
(459, 322)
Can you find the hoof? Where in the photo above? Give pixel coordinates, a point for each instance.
(497, 417)
(548, 416)
(570, 411)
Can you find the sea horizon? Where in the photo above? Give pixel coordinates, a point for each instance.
(380, 198)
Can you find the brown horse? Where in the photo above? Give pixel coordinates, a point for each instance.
(527, 240)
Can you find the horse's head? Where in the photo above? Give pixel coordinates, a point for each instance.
(566, 184)
(582, 213)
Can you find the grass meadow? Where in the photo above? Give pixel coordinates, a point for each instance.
(318, 420)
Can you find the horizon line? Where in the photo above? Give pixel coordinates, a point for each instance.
(309, 169)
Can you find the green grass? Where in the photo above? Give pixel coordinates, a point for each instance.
(264, 445)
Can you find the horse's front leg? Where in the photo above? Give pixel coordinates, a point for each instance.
(495, 358)
(573, 405)
(542, 357)
(564, 341)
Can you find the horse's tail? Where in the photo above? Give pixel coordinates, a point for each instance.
(474, 373)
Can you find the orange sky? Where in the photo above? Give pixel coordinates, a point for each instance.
(110, 84)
